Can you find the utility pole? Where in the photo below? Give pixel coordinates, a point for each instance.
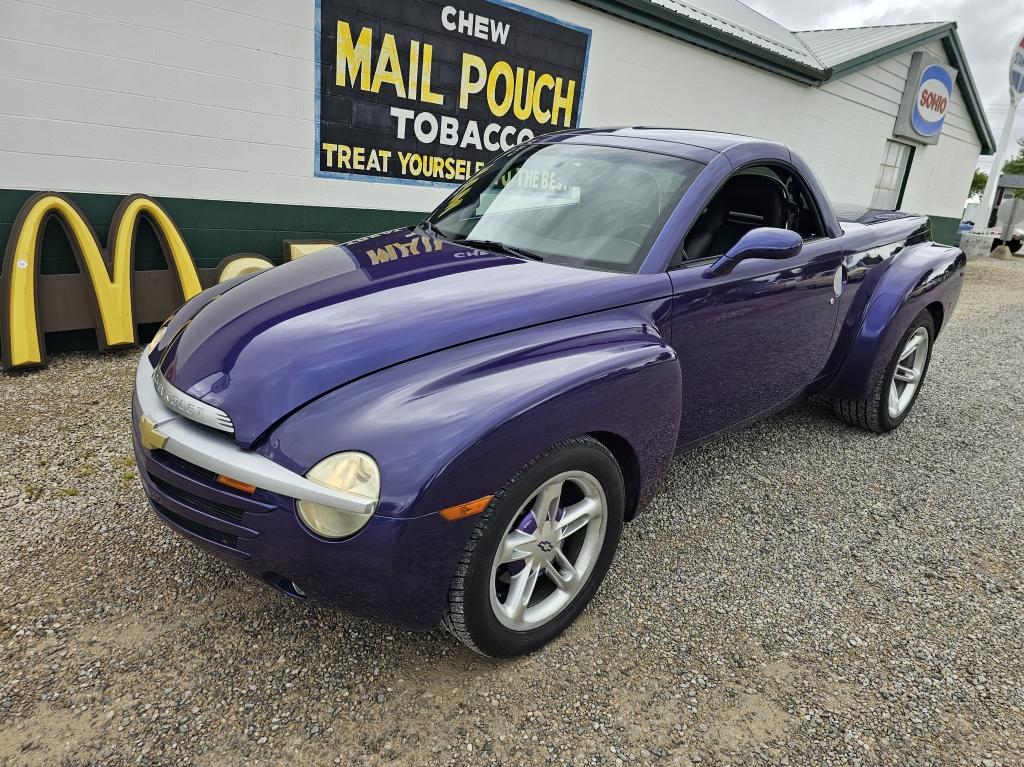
(1005, 138)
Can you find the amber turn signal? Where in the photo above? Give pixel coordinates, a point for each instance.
(464, 510)
(245, 487)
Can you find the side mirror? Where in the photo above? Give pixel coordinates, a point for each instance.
(763, 242)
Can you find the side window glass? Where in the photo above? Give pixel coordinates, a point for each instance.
(804, 217)
(755, 197)
(764, 195)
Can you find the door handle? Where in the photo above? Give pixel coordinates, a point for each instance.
(839, 281)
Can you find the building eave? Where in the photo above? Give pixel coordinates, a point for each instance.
(665, 21)
(660, 19)
(888, 51)
(964, 79)
(947, 34)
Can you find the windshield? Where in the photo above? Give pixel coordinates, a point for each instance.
(591, 206)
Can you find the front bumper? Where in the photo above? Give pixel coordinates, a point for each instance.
(383, 572)
(216, 452)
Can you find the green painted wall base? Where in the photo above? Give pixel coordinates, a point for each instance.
(213, 229)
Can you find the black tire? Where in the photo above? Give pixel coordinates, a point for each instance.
(872, 412)
(469, 615)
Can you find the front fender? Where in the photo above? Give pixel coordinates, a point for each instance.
(919, 277)
(496, 403)
(454, 426)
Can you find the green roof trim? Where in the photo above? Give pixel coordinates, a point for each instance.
(719, 40)
(965, 80)
(947, 34)
(667, 21)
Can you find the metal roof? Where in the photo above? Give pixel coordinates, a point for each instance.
(1011, 181)
(833, 47)
(812, 57)
(746, 24)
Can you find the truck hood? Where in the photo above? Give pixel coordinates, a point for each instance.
(288, 335)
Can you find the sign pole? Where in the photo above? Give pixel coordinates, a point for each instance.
(1016, 89)
(988, 198)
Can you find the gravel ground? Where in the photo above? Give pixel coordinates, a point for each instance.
(800, 594)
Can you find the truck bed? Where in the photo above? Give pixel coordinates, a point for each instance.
(852, 214)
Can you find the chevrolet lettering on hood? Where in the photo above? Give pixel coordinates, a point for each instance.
(449, 423)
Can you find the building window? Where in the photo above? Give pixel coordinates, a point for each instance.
(892, 176)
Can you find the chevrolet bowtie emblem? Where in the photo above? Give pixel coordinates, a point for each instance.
(151, 439)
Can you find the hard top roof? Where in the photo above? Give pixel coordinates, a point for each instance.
(714, 141)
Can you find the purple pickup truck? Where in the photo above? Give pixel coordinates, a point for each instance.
(450, 423)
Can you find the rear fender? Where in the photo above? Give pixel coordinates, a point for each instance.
(919, 276)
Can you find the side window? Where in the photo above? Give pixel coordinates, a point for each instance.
(805, 218)
(764, 195)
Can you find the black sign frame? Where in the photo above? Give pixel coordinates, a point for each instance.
(538, 64)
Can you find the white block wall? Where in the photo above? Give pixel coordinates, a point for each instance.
(940, 176)
(214, 99)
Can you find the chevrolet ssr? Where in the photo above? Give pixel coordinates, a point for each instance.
(450, 423)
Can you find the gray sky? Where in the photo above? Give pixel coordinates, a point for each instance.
(988, 31)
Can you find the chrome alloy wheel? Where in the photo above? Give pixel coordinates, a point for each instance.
(548, 550)
(906, 378)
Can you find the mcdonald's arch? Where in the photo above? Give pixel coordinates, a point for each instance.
(108, 293)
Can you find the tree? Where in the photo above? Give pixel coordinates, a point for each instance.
(1016, 165)
(978, 184)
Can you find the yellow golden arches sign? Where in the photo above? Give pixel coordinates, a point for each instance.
(108, 273)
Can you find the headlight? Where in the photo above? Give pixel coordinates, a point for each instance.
(354, 473)
(156, 337)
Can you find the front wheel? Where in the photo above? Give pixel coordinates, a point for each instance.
(895, 383)
(539, 551)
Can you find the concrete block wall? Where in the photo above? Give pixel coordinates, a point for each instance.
(173, 98)
(214, 99)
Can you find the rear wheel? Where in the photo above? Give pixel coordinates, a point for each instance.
(895, 383)
(539, 552)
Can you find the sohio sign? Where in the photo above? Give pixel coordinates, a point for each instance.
(1017, 72)
(932, 101)
(429, 92)
(926, 99)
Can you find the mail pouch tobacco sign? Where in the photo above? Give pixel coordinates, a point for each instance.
(424, 91)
